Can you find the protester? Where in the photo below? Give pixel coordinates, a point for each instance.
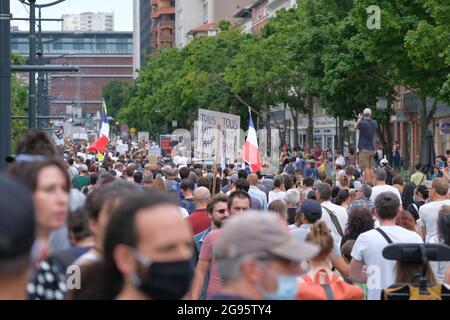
(421, 195)
(257, 259)
(360, 220)
(418, 178)
(217, 211)
(311, 285)
(381, 186)
(343, 198)
(278, 191)
(280, 208)
(17, 234)
(255, 192)
(335, 218)
(369, 245)
(187, 190)
(243, 185)
(405, 219)
(428, 213)
(309, 213)
(147, 252)
(238, 202)
(199, 218)
(442, 236)
(292, 199)
(367, 128)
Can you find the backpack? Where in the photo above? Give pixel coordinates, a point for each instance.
(410, 292)
(328, 289)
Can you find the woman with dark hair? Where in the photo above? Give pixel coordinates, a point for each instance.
(408, 194)
(146, 254)
(49, 183)
(360, 220)
(342, 198)
(421, 194)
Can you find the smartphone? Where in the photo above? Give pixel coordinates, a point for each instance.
(441, 164)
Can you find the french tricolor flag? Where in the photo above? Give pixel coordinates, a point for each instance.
(100, 144)
(250, 151)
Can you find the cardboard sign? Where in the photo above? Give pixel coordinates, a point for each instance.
(229, 126)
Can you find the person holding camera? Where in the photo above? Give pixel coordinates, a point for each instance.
(367, 128)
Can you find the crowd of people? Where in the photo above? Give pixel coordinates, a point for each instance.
(124, 228)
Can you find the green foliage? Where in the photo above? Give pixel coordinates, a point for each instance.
(117, 95)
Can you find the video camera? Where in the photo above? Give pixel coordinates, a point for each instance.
(417, 254)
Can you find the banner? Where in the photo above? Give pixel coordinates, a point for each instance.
(444, 126)
(143, 136)
(229, 126)
(167, 141)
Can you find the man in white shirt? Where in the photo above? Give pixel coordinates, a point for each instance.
(368, 249)
(340, 160)
(428, 213)
(336, 219)
(381, 186)
(255, 192)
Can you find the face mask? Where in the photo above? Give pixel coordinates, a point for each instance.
(164, 280)
(286, 288)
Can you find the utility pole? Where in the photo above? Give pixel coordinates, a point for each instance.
(32, 62)
(40, 53)
(5, 83)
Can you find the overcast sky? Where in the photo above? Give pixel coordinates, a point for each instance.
(123, 12)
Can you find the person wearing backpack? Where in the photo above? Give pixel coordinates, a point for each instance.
(321, 283)
(368, 248)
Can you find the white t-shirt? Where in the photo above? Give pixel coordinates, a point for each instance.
(340, 161)
(384, 188)
(428, 214)
(368, 249)
(342, 217)
(439, 267)
(276, 196)
(183, 212)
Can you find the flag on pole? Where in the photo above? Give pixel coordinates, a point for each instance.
(250, 151)
(100, 144)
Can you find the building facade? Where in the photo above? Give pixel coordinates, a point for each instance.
(142, 33)
(101, 56)
(163, 24)
(193, 15)
(88, 21)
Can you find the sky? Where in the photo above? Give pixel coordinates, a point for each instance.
(123, 12)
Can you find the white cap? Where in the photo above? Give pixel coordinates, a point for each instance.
(367, 111)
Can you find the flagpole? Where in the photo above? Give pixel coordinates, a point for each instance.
(216, 160)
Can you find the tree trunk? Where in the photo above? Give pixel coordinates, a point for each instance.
(310, 130)
(269, 136)
(295, 119)
(423, 121)
(284, 136)
(341, 134)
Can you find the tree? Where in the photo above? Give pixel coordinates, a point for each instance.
(19, 101)
(117, 95)
(388, 47)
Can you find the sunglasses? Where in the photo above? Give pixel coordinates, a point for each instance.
(221, 211)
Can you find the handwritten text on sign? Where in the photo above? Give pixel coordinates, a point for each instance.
(229, 126)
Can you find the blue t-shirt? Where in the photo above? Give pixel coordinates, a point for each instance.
(367, 129)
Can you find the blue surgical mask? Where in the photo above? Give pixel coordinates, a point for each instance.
(286, 288)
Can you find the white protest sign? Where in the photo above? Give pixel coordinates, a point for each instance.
(122, 148)
(228, 124)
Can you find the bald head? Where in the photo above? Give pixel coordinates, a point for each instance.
(201, 197)
(252, 179)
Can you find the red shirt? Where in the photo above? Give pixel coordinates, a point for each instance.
(199, 220)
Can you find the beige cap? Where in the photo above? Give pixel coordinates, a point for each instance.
(169, 171)
(257, 232)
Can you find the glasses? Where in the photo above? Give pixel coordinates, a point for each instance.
(221, 211)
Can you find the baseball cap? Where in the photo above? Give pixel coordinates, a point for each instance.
(234, 177)
(17, 222)
(168, 171)
(367, 111)
(311, 209)
(254, 233)
(83, 168)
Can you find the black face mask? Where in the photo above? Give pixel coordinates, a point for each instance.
(166, 280)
